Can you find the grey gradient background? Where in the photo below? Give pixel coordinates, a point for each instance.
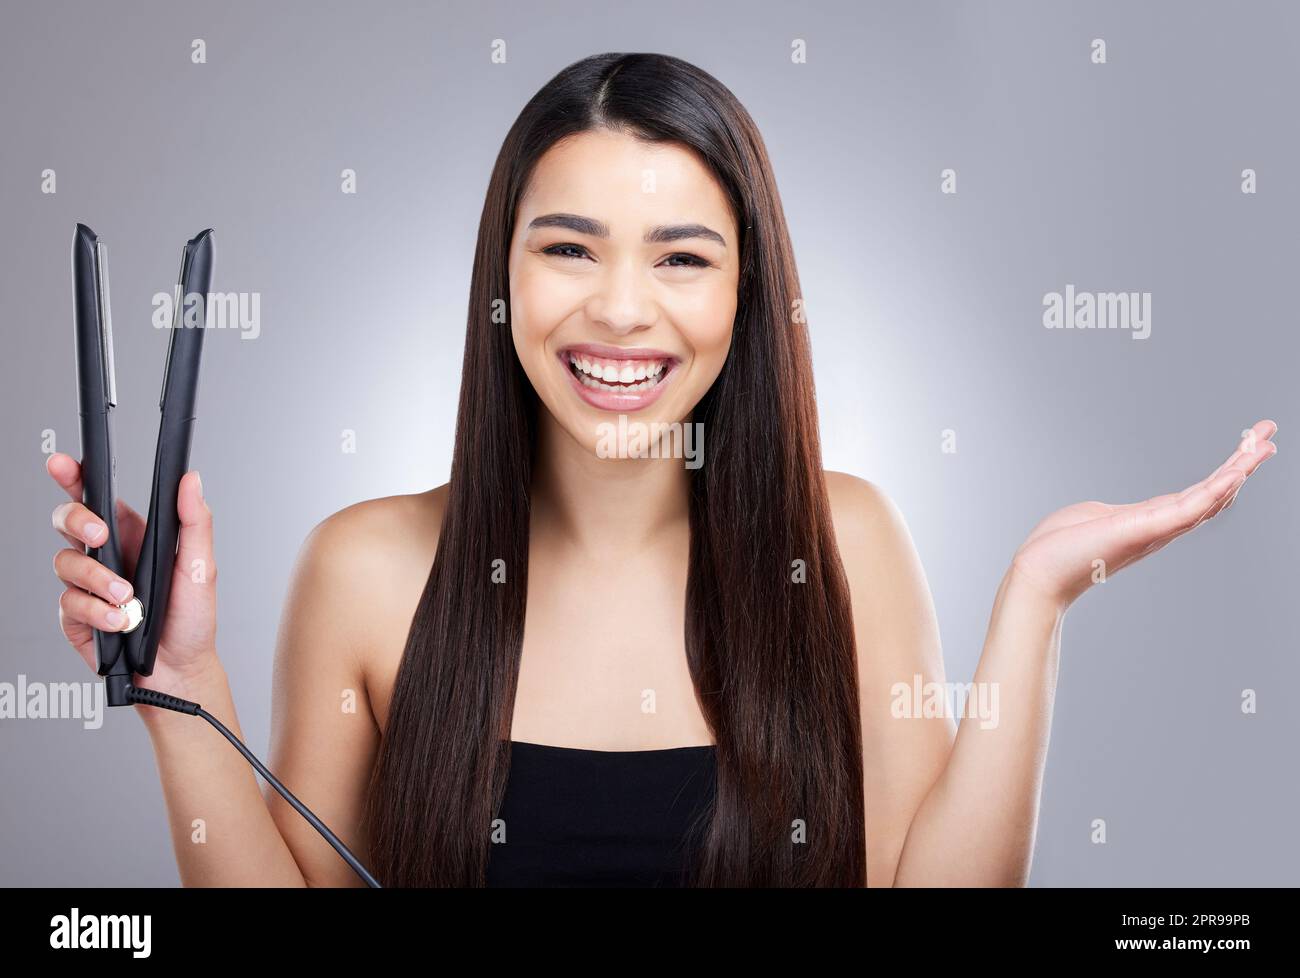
(925, 311)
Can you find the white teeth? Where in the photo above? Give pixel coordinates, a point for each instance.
(645, 385)
(629, 375)
(622, 376)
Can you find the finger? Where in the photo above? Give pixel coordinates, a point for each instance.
(93, 611)
(1154, 500)
(1218, 506)
(1262, 432)
(1246, 463)
(1263, 449)
(1193, 507)
(1247, 458)
(80, 636)
(1264, 456)
(1233, 498)
(66, 471)
(79, 525)
(194, 548)
(1146, 528)
(77, 569)
(1157, 521)
(1236, 476)
(1170, 497)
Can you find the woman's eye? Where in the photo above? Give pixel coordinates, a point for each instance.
(678, 260)
(560, 252)
(688, 261)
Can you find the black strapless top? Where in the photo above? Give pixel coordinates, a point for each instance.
(576, 817)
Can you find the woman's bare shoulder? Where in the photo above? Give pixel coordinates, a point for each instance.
(361, 571)
(869, 528)
(379, 533)
(857, 505)
(376, 554)
(887, 583)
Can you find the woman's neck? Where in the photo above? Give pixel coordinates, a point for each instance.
(603, 504)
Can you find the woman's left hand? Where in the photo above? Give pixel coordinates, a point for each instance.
(1083, 544)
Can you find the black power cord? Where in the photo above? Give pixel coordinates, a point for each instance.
(151, 697)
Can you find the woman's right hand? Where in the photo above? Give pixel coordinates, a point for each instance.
(187, 644)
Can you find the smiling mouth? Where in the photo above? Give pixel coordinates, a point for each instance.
(617, 376)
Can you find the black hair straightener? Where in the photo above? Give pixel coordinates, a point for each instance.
(120, 656)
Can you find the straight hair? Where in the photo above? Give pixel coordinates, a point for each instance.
(771, 654)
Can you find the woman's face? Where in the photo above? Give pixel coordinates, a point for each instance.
(624, 266)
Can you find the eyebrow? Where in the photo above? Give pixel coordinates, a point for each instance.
(657, 235)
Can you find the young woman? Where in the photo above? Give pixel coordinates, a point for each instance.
(574, 664)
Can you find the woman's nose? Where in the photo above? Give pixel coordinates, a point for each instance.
(623, 300)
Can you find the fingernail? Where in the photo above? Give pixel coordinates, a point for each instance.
(94, 531)
(199, 479)
(114, 618)
(120, 590)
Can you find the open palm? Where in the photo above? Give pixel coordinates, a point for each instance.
(1075, 547)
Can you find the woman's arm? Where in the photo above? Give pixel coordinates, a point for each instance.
(227, 832)
(896, 632)
(976, 825)
(324, 736)
(222, 831)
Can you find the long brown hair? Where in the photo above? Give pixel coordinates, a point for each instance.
(769, 641)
